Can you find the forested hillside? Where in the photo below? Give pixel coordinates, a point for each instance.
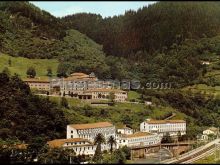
(151, 28)
(163, 42)
(24, 116)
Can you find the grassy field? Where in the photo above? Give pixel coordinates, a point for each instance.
(82, 112)
(204, 89)
(20, 65)
(133, 95)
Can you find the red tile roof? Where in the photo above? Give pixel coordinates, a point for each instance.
(60, 142)
(164, 121)
(91, 125)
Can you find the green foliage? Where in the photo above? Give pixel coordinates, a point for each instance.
(64, 102)
(21, 65)
(57, 155)
(9, 62)
(31, 72)
(127, 152)
(111, 141)
(99, 140)
(167, 138)
(156, 49)
(117, 157)
(203, 109)
(49, 72)
(24, 116)
(78, 53)
(150, 28)
(6, 71)
(112, 96)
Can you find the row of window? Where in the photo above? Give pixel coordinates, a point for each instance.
(83, 148)
(166, 125)
(39, 85)
(75, 143)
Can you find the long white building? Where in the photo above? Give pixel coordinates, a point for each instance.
(164, 126)
(138, 139)
(89, 131)
(79, 145)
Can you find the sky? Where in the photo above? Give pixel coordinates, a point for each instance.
(105, 8)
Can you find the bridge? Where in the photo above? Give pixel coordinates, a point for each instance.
(174, 149)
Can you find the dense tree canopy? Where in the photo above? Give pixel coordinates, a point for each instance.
(24, 116)
(162, 42)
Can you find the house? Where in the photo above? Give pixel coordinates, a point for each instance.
(89, 131)
(125, 130)
(205, 62)
(104, 94)
(139, 139)
(37, 83)
(148, 103)
(77, 83)
(79, 145)
(164, 126)
(211, 131)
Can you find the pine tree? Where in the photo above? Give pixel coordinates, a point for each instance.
(64, 102)
(31, 72)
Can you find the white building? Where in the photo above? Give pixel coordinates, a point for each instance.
(164, 126)
(79, 145)
(211, 131)
(138, 139)
(125, 130)
(90, 131)
(104, 94)
(205, 62)
(86, 87)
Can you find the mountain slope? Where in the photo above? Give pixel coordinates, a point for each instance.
(27, 31)
(150, 28)
(19, 65)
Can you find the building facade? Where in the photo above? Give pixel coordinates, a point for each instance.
(125, 130)
(138, 139)
(104, 94)
(90, 131)
(164, 126)
(211, 130)
(79, 145)
(36, 83)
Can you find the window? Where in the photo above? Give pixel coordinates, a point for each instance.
(71, 131)
(71, 136)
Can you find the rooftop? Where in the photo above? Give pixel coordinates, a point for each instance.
(91, 125)
(104, 90)
(164, 121)
(123, 127)
(138, 134)
(36, 80)
(60, 142)
(214, 129)
(79, 74)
